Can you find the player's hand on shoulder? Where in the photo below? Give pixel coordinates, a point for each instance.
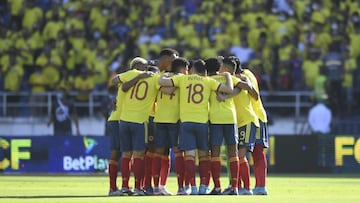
(220, 96)
(146, 74)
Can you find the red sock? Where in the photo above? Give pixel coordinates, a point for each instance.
(215, 171)
(165, 169)
(205, 170)
(244, 173)
(260, 165)
(138, 171)
(156, 169)
(234, 170)
(179, 168)
(113, 172)
(125, 171)
(148, 169)
(190, 170)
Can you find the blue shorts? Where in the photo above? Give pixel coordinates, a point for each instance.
(113, 130)
(247, 135)
(193, 136)
(167, 134)
(133, 136)
(262, 135)
(151, 131)
(220, 132)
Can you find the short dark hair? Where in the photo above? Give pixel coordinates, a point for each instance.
(238, 67)
(212, 64)
(199, 66)
(153, 69)
(179, 63)
(229, 62)
(168, 52)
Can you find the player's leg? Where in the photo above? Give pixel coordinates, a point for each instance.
(113, 128)
(231, 140)
(165, 170)
(260, 161)
(246, 143)
(216, 137)
(179, 156)
(202, 142)
(149, 156)
(138, 144)
(160, 131)
(187, 143)
(126, 148)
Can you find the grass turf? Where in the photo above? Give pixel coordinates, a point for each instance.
(282, 188)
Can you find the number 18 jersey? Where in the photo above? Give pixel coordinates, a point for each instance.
(194, 96)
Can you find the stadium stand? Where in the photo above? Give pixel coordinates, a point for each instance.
(78, 45)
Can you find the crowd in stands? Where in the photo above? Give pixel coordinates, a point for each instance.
(78, 45)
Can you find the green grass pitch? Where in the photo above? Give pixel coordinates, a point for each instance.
(94, 188)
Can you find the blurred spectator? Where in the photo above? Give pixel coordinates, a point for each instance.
(32, 14)
(63, 113)
(334, 69)
(320, 117)
(115, 31)
(311, 67)
(321, 86)
(38, 83)
(295, 64)
(243, 52)
(83, 84)
(350, 66)
(12, 71)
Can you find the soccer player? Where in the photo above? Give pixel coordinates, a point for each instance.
(138, 103)
(262, 140)
(113, 127)
(167, 130)
(222, 116)
(248, 124)
(195, 91)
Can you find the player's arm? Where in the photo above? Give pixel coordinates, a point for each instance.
(228, 87)
(165, 81)
(167, 90)
(222, 96)
(245, 83)
(127, 85)
(116, 79)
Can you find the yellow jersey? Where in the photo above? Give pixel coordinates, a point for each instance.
(168, 107)
(194, 96)
(115, 113)
(256, 104)
(139, 99)
(223, 112)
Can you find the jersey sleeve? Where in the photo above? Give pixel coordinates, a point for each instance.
(125, 77)
(235, 80)
(176, 80)
(214, 85)
(156, 78)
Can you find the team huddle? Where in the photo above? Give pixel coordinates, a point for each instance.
(192, 109)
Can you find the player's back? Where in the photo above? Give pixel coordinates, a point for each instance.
(194, 96)
(168, 107)
(244, 110)
(256, 104)
(222, 112)
(139, 99)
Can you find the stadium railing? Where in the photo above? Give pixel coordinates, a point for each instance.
(293, 102)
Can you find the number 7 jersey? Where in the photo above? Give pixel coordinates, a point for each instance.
(139, 99)
(194, 96)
